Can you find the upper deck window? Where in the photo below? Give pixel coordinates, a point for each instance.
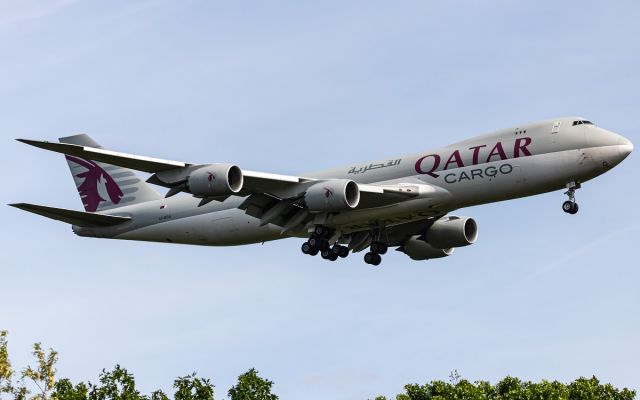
(581, 122)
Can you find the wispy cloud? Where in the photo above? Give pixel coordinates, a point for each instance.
(580, 251)
(14, 11)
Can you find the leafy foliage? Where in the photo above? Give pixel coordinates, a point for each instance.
(44, 375)
(252, 387)
(6, 373)
(511, 388)
(119, 384)
(64, 389)
(191, 387)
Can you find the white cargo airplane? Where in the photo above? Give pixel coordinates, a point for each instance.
(400, 202)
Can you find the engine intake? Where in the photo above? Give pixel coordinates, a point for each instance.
(215, 180)
(452, 231)
(418, 249)
(332, 195)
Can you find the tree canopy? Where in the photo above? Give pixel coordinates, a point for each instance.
(511, 388)
(40, 383)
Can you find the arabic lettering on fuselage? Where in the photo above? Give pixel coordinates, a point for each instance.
(431, 163)
(390, 163)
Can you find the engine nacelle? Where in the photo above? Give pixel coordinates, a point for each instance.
(418, 249)
(332, 195)
(452, 231)
(215, 180)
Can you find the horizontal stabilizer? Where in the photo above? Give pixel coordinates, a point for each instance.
(79, 218)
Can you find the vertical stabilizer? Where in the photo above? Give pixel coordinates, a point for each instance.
(103, 186)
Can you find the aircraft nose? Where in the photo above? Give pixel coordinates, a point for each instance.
(625, 147)
(610, 149)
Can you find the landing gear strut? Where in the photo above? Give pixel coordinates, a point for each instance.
(570, 206)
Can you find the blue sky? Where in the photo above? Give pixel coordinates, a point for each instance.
(291, 86)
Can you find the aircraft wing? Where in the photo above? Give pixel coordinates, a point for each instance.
(274, 198)
(290, 214)
(255, 182)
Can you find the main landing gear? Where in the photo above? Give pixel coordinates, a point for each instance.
(570, 206)
(375, 250)
(319, 243)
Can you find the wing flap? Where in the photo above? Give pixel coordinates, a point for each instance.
(383, 195)
(79, 218)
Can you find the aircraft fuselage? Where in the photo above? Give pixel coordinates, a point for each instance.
(503, 165)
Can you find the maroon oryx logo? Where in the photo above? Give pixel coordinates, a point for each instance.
(327, 193)
(210, 176)
(97, 185)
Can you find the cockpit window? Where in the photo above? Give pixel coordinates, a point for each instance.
(585, 122)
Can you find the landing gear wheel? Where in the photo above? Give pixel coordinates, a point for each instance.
(574, 209)
(306, 248)
(340, 251)
(570, 207)
(344, 252)
(320, 231)
(314, 242)
(372, 258)
(328, 254)
(309, 249)
(368, 258)
(379, 247)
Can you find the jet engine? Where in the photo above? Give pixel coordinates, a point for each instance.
(332, 195)
(215, 180)
(452, 231)
(418, 249)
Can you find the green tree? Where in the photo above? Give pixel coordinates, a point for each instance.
(44, 375)
(118, 384)
(252, 387)
(511, 388)
(592, 389)
(6, 372)
(191, 387)
(65, 390)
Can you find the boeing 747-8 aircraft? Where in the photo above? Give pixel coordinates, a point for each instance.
(401, 202)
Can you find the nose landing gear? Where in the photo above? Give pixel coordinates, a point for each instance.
(570, 206)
